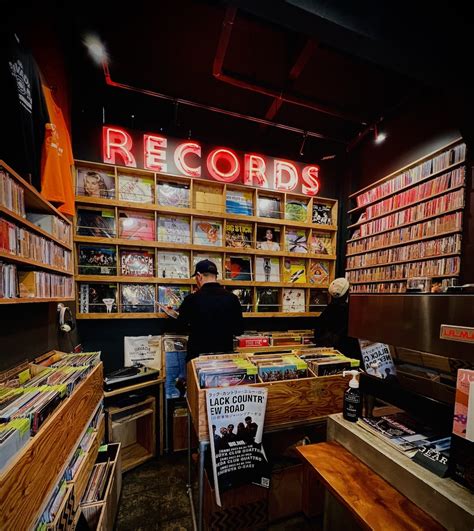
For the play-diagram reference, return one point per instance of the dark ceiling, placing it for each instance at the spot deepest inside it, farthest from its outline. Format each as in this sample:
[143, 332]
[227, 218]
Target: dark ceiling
[170, 48]
[361, 61]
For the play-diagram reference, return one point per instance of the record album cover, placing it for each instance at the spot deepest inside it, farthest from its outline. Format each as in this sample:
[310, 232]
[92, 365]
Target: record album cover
[322, 214]
[98, 223]
[294, 270]
[321, 243]
[238, 268]
[136, 226]
[239, 202]
[97, 298]
[137, 263]
[268, 238]
[318, 272]
[135, 188]
[296, 210]
[95, 183]
[174, 229]
[171, 297]
[245, 297]
[269, 207]
[173, 194]
[296, 240]
[207, 232]
[173, 264]
[293, 300]
[238, 235]
[267, 300]
[267, 269]
[138, 298]
[96, 260]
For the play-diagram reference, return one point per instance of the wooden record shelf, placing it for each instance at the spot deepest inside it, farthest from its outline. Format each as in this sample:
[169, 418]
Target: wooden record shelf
[207, 200]
[148, 315]
[405, 168]
[34, 203]
[28, 261]
[407, 206]
[387, 264]
[408, 242]
[18, 300]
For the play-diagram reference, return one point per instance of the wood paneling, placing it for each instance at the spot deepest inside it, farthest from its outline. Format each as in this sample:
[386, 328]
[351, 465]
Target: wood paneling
[371, 500]
[29, 479]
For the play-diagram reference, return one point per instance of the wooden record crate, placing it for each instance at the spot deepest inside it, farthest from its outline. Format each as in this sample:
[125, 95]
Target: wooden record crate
[290, 402]
[27, 481]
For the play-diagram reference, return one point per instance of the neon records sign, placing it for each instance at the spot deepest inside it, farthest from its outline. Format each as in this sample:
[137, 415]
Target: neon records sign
[193, 159]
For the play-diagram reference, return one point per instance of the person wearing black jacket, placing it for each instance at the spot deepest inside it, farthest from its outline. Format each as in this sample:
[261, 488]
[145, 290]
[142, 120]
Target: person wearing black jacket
[212, 315]
[331, 329]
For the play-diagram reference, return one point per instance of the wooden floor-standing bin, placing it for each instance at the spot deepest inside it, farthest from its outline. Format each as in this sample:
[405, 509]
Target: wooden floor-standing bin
[290, 404]
[29, 480]
[101, 515]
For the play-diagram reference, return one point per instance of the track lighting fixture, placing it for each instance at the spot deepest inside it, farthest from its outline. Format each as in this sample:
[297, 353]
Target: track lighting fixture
[305, 136]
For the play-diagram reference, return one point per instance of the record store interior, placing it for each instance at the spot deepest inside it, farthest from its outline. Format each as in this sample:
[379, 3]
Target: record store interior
[236, 266]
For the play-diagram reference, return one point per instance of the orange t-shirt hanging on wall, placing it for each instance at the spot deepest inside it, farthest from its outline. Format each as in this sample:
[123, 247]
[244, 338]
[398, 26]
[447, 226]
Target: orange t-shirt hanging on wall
[57, 159]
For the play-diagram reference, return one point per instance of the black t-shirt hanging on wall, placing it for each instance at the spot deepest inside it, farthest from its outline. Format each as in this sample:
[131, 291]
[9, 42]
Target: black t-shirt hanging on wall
[23, 111]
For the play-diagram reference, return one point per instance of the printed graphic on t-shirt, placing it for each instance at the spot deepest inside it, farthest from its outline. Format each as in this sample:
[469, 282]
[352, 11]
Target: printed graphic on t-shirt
[23, 84]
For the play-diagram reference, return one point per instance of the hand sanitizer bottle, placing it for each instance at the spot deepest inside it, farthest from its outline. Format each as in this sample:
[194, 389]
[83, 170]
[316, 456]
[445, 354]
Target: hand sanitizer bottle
[352, 401]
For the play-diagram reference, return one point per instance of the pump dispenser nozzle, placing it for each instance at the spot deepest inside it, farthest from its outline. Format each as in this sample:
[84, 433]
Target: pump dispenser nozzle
[354, 382]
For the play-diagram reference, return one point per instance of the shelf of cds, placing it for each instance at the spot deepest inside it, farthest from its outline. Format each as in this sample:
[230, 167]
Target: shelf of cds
[409, 224]
[139, 234]
[36, 248]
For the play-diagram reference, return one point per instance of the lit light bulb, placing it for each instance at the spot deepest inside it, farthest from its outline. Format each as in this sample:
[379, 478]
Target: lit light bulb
[96, 49]
[380, 138]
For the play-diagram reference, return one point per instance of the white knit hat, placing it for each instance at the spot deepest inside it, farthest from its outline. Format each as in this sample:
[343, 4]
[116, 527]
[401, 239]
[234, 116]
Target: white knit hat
[338, 287]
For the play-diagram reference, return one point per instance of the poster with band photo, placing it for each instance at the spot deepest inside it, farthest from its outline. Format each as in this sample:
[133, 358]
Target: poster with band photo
[236, 416]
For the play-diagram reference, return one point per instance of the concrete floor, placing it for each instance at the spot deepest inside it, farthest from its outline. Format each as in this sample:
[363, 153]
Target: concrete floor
[154, 498]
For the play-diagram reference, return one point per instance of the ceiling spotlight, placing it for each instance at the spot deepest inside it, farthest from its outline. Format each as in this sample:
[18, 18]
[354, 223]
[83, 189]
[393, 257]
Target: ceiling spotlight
[96, 49]
[380, 136]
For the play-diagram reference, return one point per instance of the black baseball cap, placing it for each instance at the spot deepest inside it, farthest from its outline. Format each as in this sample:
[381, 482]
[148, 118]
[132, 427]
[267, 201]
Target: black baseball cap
[205, 266]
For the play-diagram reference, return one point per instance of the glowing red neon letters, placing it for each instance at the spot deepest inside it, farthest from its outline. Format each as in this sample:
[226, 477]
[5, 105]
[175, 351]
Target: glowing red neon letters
[192, 159]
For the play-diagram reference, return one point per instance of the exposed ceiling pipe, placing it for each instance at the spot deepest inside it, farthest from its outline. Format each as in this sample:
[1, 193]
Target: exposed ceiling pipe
[295, 72]
[237, 80]
[109, 81]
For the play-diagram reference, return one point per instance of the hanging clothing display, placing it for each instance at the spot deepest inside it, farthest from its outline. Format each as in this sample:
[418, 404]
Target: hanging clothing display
[57, 159]
[22, 108]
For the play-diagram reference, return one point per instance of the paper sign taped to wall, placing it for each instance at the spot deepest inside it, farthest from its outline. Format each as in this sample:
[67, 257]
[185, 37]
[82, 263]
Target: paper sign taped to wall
[145, 350]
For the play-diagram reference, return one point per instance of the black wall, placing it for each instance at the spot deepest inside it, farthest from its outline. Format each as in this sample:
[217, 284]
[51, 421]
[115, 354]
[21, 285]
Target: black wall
[29, 330]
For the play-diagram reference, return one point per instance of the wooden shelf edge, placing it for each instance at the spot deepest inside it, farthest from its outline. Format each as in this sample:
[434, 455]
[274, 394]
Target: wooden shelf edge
[404, 279]
[183, 178]
[408, 242]
[143, 385]
[197, 213]
[423, 259]
[407, 224]
[28, 261]
[92, 316]
[35, 228]
[31, 190]
[407, 206]
[36, 299]
[413, 164]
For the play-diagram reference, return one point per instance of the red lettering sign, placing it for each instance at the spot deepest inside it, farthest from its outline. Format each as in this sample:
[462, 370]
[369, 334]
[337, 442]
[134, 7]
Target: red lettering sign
[192, 159]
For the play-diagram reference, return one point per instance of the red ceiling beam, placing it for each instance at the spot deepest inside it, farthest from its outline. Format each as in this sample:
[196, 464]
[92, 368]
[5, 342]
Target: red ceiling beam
[237, 81]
